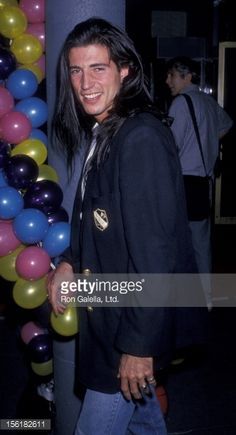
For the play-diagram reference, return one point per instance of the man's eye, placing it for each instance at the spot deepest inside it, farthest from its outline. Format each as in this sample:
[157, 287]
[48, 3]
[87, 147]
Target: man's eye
[74, 71]
[99, 69]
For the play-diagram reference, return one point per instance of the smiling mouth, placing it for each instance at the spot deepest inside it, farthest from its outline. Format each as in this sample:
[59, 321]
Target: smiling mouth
[93, 96]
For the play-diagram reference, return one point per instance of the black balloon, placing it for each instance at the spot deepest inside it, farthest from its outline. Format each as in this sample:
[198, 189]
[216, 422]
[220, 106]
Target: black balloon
[5, 153]
[46, 195]
[40, 348]
[21, 171]
[59, 215]
[7, 63]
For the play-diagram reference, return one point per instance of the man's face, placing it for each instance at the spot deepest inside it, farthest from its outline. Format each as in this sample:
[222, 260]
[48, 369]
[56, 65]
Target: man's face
[95, 79]
[176, 82]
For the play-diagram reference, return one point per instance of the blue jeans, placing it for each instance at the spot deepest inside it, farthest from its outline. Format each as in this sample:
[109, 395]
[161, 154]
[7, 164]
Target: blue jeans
[112, 414]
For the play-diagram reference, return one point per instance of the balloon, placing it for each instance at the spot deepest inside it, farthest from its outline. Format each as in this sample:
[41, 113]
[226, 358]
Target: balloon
[36, 133]
[13, 21]
[46, 172]
[11, 202]
[41, 62]
[34, 68]
[6, 101]
[65, 324]
[7, 63]
[26, 48]
[42, 369]
[35, 109]
[46, 195]
[57, 239]
[30, 225]
[5, 153]
[34, 10]
[8, 240]
[3, 181]
[59, 215]
[32, 263]
[21, 171]
[40, 348]
[4, 3]
[22, 83]
[14, 127]
[38, 30]
[8, 265]
[30, 294]
[33, 148]
[30, 330]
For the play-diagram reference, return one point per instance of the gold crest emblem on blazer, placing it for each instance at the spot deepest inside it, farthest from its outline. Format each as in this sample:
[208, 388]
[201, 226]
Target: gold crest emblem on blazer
[100, 219]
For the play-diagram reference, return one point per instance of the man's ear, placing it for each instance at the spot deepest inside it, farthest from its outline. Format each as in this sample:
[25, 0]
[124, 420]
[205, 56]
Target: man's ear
[124, 72]
[188, 78]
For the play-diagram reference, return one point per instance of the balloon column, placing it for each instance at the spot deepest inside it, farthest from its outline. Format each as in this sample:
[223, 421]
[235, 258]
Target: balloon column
[34, 227]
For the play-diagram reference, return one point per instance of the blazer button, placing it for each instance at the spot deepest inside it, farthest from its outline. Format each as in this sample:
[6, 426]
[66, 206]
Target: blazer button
[90, 309]
[86, 272]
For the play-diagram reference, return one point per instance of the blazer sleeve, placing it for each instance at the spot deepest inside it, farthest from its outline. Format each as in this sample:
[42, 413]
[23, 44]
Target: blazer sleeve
[149, 178]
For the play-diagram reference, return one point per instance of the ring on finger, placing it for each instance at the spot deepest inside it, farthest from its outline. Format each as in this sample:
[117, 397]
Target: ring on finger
[151, 380]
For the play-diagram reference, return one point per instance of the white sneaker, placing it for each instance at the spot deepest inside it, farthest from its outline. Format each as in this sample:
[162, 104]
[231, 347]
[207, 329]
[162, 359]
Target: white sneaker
[46, 390]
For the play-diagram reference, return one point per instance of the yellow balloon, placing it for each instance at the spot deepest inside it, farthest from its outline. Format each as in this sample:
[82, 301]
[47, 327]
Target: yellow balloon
[33, 148]
[30, 294]
[42, 369]
[13, 21]
[8, 263]
[4, 3]
[46, 172]
[26, 48]
[35, 69]
[66, 324]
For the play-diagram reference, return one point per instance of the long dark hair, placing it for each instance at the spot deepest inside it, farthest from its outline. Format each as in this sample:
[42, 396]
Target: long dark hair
[71, 123]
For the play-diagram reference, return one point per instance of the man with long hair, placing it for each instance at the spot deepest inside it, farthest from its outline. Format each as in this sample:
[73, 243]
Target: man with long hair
[129, 218]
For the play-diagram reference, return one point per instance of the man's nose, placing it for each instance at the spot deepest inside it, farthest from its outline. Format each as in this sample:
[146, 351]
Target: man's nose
[86, 81]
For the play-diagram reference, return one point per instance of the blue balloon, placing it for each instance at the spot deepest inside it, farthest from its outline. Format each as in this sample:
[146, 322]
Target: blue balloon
[57, 239]
[11, 202]
[36, 133]
[22, 83]
[35, 109]
[30, 226]
[3, 180]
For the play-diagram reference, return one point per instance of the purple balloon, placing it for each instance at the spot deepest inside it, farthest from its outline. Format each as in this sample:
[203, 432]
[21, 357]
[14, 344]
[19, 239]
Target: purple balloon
[46, 195]
[59, 215]
[21, 171]
[7, 63]
[40, 348]
[5, 152]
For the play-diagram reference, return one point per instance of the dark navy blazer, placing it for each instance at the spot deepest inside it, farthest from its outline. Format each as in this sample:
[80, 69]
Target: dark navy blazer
[140, 188]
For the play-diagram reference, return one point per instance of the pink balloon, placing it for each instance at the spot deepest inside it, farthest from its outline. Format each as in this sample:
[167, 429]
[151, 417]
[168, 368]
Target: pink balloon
[14, 127]
[8, 240]
[38, 30]
[41, 63]
[34, 10]
[32, 263]
[30, 330]
[6, 101]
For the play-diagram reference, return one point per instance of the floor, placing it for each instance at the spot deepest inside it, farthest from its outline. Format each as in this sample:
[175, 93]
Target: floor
[201, 392]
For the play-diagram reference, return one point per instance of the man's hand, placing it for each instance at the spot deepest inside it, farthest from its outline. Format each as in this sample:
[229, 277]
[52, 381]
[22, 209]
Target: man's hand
[135, 374]
[63, 272]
